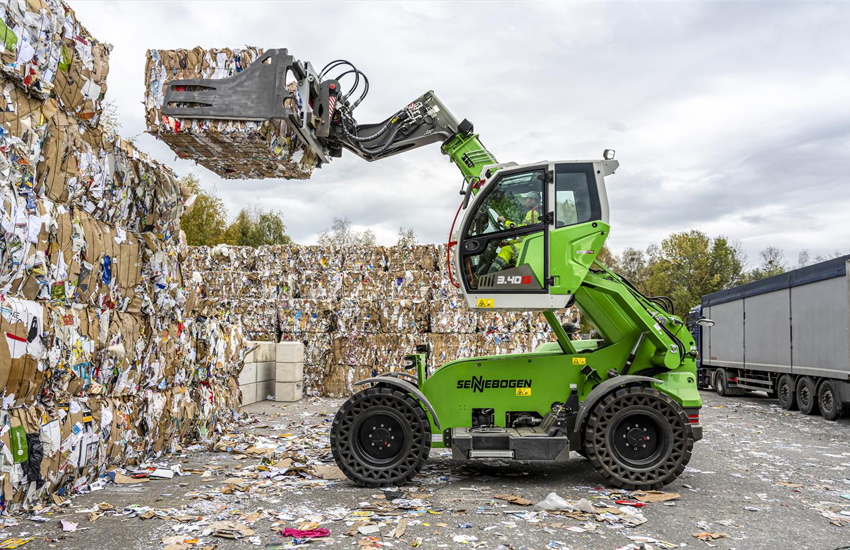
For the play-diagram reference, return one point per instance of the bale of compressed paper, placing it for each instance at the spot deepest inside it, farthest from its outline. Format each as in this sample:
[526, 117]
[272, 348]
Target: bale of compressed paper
[47, 52]
[233, 149]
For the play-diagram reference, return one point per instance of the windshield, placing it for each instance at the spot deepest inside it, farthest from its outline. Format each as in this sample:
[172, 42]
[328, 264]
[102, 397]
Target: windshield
[516, 202]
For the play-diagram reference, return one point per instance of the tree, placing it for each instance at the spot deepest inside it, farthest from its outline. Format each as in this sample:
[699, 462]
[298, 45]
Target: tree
[690, 264]
[256, 227]
[772, 263]
[342, 234]
[406, 236]
[608, 259]
[634, 266]
[206, 221]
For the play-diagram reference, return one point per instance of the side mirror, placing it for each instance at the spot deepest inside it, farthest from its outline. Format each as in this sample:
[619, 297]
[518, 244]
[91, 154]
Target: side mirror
[705, 322]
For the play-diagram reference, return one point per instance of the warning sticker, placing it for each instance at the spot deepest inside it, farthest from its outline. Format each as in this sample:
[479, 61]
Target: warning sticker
[485, 303]
[523, 392]
[579, 360]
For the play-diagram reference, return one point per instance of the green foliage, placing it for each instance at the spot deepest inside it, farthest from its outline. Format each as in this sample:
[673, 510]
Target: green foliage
[254, 227]
[343, 234]
[206, 223]
[634, 266]
[406, 236]
[772, 263]
[690, 264]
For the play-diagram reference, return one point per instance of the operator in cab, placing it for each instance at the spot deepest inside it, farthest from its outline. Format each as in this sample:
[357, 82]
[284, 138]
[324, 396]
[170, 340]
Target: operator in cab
[510, 248]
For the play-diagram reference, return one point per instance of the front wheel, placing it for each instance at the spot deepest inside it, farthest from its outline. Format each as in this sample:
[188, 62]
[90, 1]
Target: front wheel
[380, 437]
[638, 438]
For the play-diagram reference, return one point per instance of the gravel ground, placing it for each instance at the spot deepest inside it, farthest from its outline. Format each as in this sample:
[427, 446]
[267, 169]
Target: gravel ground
[730, 487]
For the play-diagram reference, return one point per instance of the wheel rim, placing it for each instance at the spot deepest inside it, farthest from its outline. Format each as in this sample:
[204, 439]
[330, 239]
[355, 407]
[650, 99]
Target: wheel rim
[639, 439]
[784, 392]
[827, 401]
[718, 383]
[805, 396]
[646, 466]
[380, 438]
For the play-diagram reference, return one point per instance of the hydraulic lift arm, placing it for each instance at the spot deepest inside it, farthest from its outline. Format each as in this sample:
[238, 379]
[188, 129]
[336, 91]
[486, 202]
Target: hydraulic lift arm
[314, 104]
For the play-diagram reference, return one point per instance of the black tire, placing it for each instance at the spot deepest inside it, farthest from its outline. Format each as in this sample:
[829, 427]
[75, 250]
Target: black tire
[390, 414]
[786, 392]
[612, 445]
[720, 383]
[829, 402]
[807, 397]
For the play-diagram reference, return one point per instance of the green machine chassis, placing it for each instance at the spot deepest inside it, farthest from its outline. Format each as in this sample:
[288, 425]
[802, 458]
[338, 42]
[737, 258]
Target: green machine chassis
[627, 400]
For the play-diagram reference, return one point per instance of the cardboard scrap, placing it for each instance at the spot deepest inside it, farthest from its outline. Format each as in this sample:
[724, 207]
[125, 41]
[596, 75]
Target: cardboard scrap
[329, 472]
[706, 536]
[514, 499]
[789, 484]
[400, 528]
[655, 496]
[121, 479]
[229, 529]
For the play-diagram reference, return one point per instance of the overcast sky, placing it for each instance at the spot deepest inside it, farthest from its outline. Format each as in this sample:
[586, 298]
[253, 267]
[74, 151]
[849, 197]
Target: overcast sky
[730, 118]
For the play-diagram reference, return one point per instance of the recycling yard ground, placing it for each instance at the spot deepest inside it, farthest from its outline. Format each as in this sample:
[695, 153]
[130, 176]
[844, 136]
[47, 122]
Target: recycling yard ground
[763, 476]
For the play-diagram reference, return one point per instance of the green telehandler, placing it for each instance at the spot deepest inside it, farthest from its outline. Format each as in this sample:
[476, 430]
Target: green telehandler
[525, 237]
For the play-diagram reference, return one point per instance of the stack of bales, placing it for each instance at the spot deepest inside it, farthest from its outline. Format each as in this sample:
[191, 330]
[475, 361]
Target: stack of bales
[356, 309]
[102, 361]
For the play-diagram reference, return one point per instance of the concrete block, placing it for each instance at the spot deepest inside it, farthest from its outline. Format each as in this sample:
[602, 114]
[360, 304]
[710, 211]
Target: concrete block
[289, 372]
[248, 375]
[289, 352]
[288, 392]
[249, 393]
[264, 353]
[265, 371]
[265, 390]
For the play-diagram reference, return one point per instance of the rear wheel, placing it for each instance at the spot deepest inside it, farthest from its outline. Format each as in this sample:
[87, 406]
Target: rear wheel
[380, 437]
[638, 438]
[720, 382]
[786, 392]
[831, 406]
[806, 395]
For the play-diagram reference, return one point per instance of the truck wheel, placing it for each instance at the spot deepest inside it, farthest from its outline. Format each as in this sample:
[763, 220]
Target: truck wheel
[831, 406]
[786, 392]
[380, 437]
[806, 395]
[720, 382]
[638, 438]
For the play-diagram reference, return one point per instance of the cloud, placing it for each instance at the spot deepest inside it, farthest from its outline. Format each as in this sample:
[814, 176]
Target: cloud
[731, 118]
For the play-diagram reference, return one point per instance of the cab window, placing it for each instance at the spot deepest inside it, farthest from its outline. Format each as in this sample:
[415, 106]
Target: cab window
[576, 198]
[516, 202]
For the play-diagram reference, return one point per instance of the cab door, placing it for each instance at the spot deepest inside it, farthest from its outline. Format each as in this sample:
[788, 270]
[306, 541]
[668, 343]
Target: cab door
[503, 248]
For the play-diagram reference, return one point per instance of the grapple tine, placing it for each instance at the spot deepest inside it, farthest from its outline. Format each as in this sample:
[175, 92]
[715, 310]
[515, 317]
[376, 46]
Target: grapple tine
[256, 93]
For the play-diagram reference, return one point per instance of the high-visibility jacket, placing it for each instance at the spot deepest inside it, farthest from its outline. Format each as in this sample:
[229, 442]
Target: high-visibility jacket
[510, 250]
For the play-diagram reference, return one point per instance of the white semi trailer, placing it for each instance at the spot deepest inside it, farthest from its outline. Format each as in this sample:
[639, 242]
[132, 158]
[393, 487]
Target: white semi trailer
[788, 335]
